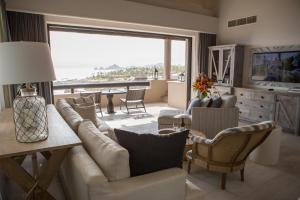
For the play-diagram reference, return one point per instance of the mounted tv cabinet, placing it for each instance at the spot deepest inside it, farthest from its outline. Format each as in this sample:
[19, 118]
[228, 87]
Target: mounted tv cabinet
[225, 65]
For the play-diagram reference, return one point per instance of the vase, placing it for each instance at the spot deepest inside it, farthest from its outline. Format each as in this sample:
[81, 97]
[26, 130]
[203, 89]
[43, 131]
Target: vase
[199, 95]
[30, 119]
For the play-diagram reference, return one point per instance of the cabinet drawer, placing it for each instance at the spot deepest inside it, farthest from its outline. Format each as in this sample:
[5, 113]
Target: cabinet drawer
[264, 97]
[259, 105]
[253, 95]
[254, 115]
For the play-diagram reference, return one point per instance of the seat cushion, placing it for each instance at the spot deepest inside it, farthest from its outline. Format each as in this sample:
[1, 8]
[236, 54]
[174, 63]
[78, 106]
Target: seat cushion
[150, 152]
[112, 158]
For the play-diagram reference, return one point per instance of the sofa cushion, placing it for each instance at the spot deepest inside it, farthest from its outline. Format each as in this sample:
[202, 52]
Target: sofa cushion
[228, 101]
[195, 102]
[62, 104]
[150, 152]
[87, 112]
[71, 117]
[112, 158]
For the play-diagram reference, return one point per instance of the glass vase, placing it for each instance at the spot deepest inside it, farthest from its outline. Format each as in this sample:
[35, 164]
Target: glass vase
[30, 118]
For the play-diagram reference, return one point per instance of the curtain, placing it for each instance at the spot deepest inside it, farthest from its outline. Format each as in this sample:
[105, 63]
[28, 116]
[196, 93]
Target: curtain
[29, 27]
[205, 40]
[4, 37]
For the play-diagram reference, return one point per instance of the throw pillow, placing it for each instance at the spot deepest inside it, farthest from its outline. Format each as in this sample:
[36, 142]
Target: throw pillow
[86, 100]
[112, 158]
[216, 102]
[205, 102]
[228, 101]
[149, 152]
[87, 112]
[195, 102]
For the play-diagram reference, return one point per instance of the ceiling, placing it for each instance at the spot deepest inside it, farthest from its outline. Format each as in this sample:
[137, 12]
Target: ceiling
[204, 7]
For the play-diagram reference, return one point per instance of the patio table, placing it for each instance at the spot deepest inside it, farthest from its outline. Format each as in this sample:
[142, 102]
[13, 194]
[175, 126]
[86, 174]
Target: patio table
[110, 95]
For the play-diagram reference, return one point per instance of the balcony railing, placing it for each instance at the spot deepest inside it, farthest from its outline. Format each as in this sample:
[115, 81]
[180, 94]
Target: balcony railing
[128, 84]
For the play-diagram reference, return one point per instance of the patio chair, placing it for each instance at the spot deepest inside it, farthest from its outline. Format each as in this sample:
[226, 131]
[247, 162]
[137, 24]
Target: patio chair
[97, 99]
[135, 97]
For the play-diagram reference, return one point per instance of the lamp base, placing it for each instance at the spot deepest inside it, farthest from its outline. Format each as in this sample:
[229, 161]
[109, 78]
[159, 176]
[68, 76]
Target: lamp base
[30, 117]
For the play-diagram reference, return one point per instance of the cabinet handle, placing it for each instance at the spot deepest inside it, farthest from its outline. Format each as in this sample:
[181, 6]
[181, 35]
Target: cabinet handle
[242, 94]
[262, 97]
[261, 106]
[260, 116]
[241, 102]
[240, 112]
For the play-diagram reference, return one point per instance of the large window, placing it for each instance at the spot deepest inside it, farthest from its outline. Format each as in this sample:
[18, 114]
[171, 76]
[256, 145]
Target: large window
[85, 57]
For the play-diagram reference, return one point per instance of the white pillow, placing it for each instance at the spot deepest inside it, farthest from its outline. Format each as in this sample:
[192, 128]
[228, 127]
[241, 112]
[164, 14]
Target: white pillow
[112, 158]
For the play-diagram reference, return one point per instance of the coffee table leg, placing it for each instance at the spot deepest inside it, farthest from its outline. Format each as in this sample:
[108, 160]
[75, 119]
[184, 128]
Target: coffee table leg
[110, 104]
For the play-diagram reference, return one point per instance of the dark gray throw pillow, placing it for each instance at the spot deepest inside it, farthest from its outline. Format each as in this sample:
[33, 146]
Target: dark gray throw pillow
[216, 102]
[195, 102]
[150, 153]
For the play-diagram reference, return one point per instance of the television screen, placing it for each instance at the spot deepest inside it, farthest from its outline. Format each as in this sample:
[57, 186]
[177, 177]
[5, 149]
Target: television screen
[276, 66]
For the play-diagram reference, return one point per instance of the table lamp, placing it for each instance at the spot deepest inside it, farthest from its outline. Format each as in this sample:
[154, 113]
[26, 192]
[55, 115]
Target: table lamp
[27, 62]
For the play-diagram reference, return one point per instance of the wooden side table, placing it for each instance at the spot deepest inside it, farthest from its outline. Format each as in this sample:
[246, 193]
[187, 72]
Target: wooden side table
[60, 140]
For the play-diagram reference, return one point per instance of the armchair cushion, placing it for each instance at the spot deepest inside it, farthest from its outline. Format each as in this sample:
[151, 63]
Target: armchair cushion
[150, 153]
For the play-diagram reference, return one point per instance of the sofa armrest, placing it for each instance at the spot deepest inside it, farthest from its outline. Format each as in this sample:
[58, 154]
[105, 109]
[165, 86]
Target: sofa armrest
[81, 176]
[166, 184]
[213, 120]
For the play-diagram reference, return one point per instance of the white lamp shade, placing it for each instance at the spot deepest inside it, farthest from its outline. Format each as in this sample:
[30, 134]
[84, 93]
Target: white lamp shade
[25, 62]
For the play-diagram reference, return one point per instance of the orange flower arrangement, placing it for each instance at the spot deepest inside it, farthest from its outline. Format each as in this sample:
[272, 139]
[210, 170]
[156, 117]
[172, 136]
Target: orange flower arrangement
[203, 84]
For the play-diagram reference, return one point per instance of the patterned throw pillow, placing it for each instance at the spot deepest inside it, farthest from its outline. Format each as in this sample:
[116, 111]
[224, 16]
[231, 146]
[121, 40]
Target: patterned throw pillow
[88, 100]
[216, 102]
[87, 112]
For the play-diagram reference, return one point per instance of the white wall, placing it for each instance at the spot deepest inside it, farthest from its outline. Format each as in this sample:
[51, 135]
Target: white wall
[119, 10]
[277, 25]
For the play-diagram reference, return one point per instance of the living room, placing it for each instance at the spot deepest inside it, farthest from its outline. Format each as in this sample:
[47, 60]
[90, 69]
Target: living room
[237, 124]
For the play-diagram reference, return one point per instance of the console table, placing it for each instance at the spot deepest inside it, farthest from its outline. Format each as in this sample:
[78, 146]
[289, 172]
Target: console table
[256, 105]
[60, 140]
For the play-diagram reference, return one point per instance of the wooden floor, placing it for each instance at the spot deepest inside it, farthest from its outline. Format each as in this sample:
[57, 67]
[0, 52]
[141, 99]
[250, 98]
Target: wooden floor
[280, 182]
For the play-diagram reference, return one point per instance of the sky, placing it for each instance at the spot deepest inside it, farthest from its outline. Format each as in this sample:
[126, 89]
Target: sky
[75, 55]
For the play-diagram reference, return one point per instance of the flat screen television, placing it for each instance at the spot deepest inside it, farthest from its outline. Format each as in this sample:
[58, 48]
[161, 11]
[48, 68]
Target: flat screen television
[276, 66]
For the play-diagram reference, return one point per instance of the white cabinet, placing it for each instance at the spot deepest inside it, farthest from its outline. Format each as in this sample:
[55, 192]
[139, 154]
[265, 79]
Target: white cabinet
[225, 64]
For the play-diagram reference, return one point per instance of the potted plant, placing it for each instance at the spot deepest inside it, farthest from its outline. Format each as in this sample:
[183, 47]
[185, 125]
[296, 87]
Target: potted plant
[202, 85]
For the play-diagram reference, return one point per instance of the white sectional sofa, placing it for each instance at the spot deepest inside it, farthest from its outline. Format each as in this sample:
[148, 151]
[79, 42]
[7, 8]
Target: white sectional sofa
[86, 173]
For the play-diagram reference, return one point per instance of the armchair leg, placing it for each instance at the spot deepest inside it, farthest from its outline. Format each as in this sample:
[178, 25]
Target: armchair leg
[242, 174]
[189, 166]
[223, 181]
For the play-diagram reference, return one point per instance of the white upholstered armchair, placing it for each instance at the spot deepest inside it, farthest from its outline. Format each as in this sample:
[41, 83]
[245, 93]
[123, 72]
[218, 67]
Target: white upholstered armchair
[213, 120]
